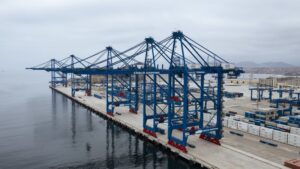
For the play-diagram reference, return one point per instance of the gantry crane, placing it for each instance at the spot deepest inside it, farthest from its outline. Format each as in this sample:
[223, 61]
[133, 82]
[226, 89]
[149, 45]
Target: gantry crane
[157, 75]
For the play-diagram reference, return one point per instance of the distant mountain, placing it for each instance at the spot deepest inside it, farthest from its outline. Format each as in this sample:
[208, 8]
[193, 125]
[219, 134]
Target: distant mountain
[265, 64]
[277, 64]
[247, 64]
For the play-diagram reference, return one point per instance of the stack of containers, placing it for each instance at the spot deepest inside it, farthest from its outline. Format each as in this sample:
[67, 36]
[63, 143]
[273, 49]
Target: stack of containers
[282, 120]
[260, 115]
[266, 114]
[284, 127]
[282, 112]
[294, 121]
[250, 115]
[259, 122]
[271, 125]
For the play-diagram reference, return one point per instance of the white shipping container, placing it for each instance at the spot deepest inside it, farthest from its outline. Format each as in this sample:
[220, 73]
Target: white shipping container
[225, 122]
[237, 117]
[294, 140]
[280, 136]
[295, 130]
[232, 124]
[283, 126]
[266, 132]
[245, 120]
[243, 126]
[206, 117]
[213, 121]
[253, 129]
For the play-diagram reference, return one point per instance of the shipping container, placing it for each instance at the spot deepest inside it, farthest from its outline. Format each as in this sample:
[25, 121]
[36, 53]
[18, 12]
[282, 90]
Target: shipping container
[266, 132]
[225, 122]
[280, 136]
[253, 129]
[295, 130]
[294, 140]
[242, 126]
[293, 164]
[286, 127]
[232, 123]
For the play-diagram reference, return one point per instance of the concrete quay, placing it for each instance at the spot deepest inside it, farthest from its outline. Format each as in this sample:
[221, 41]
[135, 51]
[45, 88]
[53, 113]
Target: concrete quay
[205, 153]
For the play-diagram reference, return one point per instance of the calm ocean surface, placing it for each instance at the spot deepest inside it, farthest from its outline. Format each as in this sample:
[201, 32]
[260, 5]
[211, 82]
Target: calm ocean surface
[40, 128]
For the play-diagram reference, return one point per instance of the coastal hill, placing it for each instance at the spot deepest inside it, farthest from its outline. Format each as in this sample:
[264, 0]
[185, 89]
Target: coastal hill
[281, 68]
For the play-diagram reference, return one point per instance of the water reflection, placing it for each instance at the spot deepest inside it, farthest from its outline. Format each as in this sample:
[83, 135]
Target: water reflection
[41, 128]
[73, 123]
[65, 104]
[53, 107]
[103, 144]
[110, 145]
[89, 121]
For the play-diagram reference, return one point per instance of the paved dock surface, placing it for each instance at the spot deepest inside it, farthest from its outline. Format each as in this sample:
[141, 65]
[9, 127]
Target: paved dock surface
[232, 154]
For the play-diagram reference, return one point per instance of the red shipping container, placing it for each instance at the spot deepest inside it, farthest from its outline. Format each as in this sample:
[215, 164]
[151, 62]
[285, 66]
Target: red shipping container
[293, 164]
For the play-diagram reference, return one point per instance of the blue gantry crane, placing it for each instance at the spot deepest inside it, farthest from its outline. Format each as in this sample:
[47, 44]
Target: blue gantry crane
[57, 77]
[176, 81]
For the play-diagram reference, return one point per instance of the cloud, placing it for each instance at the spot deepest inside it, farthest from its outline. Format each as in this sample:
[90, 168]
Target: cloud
[33, 31]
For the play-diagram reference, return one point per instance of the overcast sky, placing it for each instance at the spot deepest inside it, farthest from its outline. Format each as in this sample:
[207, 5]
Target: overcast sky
[33, 31]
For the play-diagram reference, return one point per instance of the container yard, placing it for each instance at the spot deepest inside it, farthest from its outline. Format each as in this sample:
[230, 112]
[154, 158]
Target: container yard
[179, 94]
